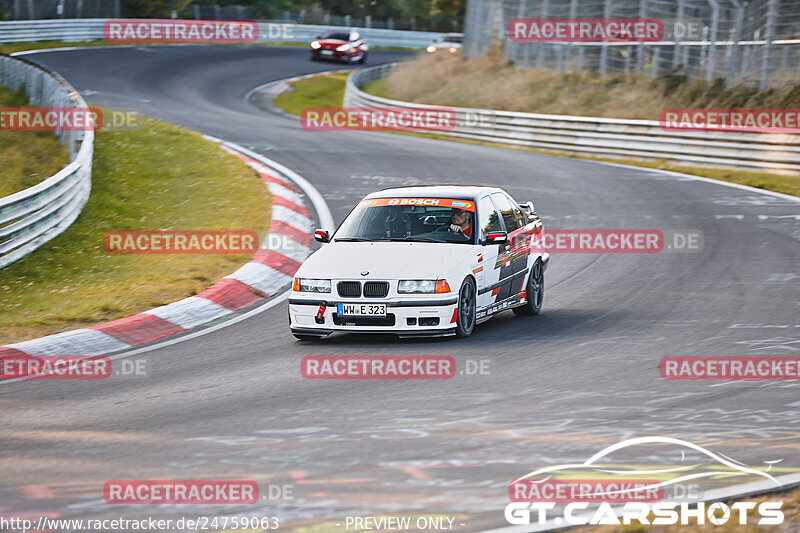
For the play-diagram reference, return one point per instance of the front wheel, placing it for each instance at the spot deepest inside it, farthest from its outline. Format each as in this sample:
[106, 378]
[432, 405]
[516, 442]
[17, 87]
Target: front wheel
[534, 291]
[363, 59]
[467, 306]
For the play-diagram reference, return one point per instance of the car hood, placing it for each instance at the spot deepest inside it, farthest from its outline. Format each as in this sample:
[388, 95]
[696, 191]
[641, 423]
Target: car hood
[331, 43]
[383, 260]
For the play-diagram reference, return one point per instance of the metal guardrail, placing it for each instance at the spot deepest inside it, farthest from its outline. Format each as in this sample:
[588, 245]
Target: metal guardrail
[76, 30]
[32, 217]
[773, 152]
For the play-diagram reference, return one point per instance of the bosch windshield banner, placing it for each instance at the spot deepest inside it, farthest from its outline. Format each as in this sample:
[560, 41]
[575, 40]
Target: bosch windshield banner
[585, 30]
[180, 31]
[466, 205]
[378, 118]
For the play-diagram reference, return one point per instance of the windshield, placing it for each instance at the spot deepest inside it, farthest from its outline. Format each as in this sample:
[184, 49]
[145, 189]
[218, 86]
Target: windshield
[410, 219]
[337, 35]
[449, 38]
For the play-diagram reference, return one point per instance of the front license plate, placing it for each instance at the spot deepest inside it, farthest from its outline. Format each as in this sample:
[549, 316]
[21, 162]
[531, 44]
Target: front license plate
[361, 309]
[327, 52]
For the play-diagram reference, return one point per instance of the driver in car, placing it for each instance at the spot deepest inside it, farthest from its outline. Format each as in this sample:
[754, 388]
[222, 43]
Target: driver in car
[460, 223]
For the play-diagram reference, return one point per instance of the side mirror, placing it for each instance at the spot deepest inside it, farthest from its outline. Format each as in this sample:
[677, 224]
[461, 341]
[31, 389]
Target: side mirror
[496, 237]
[529, 207]
[322, 235]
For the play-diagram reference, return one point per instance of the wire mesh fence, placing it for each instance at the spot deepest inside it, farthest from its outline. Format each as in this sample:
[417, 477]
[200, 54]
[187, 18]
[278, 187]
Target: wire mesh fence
[740, 41]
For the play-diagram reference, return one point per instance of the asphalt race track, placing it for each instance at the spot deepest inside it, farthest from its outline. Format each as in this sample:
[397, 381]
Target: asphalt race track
[557, 387]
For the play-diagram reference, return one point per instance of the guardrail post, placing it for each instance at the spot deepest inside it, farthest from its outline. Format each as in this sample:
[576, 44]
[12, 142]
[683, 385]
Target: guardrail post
[766, 58]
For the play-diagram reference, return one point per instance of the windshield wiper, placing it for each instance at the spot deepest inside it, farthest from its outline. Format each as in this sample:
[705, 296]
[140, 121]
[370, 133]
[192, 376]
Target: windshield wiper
[412, 239]
[352, 239]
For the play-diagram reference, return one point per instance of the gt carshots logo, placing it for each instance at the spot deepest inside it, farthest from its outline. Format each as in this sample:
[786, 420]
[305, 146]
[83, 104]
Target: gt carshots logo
[534, 497]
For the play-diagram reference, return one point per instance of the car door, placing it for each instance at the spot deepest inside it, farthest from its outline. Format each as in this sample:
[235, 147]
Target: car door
[487, 274]
[512, 260]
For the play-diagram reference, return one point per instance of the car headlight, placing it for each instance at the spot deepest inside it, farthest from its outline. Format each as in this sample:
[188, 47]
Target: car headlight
[343, 48]
[431, 49]
[422, 286]
[453, 50]
[311, 285]
[315, 45]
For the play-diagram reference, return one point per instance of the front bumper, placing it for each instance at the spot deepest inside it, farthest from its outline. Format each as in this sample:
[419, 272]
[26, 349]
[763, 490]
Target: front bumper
[335, 56]
[433, 315]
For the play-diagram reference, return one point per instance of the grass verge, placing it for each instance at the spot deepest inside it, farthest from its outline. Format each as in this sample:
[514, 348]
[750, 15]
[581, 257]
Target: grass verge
[28, 157]
[328, 91]
[10, 48]
[155, 177]
[319, 91]
[491, 82]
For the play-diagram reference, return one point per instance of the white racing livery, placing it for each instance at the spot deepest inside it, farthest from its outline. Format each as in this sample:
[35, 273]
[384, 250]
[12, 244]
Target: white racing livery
[422, 261]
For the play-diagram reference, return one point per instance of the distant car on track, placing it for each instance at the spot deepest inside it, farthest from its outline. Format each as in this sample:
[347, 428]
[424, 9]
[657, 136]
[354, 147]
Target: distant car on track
[449, 42]
[343, 46]
[422, 261]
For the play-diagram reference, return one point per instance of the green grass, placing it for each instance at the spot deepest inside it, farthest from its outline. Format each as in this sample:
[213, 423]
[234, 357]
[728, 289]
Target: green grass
[10, 48]
[319, 91]
[156, 177]
[28, 157]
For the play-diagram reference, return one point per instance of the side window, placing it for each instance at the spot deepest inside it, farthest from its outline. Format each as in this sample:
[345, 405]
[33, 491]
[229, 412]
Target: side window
[521, 217]
[506, 209]
[488, 219]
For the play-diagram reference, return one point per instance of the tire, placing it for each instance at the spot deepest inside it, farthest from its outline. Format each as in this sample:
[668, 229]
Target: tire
[363, 59]
[534, 291]
[467, 307]
[313, 58]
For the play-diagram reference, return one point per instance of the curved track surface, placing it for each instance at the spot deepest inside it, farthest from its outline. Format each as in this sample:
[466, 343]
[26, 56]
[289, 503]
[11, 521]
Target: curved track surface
[561, 386]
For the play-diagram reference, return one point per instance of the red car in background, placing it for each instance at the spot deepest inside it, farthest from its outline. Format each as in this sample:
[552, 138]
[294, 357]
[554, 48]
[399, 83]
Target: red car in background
[344, 46]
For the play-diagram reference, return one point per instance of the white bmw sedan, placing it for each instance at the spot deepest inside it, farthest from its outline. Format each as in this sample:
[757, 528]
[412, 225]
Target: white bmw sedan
[422, 261]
